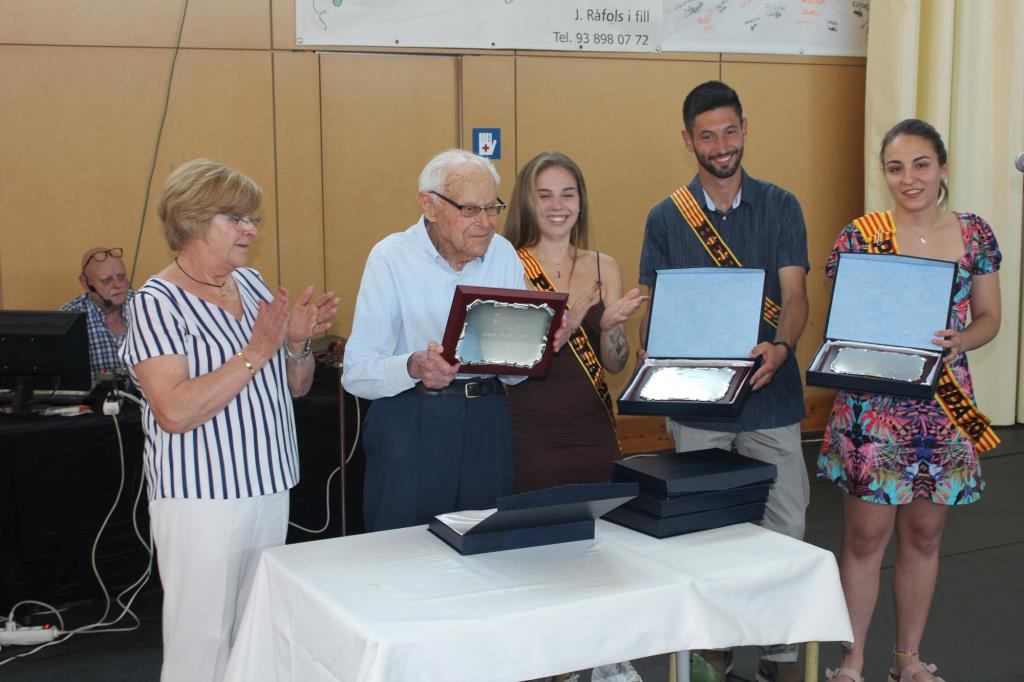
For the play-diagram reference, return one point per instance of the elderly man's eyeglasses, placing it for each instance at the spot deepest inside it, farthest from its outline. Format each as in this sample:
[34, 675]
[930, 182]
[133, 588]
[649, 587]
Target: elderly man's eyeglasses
[470, 211]
[101, 256]
[250, 220]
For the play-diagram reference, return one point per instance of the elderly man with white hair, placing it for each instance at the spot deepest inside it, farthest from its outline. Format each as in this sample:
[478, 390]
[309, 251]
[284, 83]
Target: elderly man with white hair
[436, 440]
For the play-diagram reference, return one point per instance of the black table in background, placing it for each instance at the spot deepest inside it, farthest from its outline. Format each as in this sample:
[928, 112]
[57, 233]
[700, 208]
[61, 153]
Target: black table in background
[59, 477]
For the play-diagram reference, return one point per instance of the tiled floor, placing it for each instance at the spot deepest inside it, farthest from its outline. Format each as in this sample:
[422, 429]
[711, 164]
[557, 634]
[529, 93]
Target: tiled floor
[976, 623]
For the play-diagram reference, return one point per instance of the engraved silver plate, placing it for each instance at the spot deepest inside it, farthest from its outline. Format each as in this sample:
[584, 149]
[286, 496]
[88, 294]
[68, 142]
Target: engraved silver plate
[698, 384]
[508, 334]
[878, 363]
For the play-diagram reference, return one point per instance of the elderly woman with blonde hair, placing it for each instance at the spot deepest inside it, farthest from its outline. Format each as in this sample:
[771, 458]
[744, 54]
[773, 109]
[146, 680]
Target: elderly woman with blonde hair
[217, 355]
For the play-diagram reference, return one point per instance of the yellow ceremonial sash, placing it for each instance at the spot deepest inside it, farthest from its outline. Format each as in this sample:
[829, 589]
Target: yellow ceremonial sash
[579, 342]
[879, 232]
[713, 243]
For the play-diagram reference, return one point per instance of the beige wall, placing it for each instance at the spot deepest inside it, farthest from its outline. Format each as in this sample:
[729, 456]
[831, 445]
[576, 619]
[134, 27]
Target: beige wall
[336, 139]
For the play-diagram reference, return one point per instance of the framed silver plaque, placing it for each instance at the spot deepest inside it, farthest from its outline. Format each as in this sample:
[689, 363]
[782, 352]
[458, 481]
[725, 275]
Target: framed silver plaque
[701, 384]
[880, 364]
[504, 334]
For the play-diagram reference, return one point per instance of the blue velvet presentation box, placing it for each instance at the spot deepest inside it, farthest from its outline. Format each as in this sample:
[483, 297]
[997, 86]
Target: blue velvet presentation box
[687, 473]
[702, 326]
[674, 505]
[690, 491]
[564, 513]
[884, 313]
[666, 527]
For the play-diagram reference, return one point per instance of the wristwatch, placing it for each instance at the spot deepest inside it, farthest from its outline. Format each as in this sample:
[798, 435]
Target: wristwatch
[790, 349]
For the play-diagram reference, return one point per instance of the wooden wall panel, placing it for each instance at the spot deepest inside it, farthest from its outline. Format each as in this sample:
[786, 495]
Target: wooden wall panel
[283, 24]
[620, 120]
[80, 129]
[75, 149]
[488, 89]
[299, 178]
[796, 114]
[383, 118]
[221, 108]
[210, 23]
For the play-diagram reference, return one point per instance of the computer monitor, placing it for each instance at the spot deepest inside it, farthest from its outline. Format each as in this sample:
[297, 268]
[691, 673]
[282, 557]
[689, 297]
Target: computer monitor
[43, 353]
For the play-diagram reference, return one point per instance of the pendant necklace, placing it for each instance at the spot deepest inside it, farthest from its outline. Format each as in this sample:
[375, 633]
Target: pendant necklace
[220, 287]
[920, 236]
[572, 268]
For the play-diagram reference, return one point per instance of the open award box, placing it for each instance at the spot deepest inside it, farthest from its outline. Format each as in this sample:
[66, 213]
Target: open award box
[502, 331]
[884, 313]
[702, 325]
[691, 491]
[564, 513]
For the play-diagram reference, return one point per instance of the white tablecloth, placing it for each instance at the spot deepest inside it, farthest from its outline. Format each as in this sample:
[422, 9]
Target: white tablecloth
[401, 605]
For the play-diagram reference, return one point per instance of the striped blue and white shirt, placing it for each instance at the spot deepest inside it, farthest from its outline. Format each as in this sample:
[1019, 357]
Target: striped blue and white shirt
[249, 448]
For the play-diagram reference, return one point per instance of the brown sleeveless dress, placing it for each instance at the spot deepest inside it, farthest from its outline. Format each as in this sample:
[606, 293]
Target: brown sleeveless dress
[562, 430]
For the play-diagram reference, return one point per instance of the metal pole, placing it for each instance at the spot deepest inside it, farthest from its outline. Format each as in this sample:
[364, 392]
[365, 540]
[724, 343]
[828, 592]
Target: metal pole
[342, 448]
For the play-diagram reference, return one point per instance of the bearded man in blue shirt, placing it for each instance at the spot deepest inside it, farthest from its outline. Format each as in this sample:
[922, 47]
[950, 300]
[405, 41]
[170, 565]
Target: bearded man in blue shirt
[726, 217]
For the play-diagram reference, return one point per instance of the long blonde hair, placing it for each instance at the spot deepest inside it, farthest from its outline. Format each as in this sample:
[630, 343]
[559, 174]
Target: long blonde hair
[521, 226]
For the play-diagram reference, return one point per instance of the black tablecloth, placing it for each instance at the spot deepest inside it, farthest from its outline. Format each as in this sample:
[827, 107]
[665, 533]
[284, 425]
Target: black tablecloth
[59, 477]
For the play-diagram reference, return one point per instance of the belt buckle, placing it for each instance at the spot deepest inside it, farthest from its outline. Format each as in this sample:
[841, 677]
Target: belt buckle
[470, 392]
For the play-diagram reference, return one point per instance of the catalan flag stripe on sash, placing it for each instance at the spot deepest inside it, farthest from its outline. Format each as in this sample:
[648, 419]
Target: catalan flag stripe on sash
[716, 247]
[579, 342]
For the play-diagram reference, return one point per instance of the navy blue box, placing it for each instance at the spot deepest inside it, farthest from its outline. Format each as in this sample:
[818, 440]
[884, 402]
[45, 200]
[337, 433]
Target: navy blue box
[543, 517]
[661, 505]
[886, 302]
[700, 318]
[684, 523]
[699, 471]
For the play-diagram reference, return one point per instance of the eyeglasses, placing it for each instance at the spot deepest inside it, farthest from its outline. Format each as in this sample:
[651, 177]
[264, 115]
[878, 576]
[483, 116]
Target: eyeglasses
[101, 256]
[250, 220]
[470, 211]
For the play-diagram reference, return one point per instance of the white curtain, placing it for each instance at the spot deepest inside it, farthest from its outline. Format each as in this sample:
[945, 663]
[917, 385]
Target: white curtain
[959, 64]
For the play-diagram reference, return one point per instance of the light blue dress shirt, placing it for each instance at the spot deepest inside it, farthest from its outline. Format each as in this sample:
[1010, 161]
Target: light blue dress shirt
[403, 304]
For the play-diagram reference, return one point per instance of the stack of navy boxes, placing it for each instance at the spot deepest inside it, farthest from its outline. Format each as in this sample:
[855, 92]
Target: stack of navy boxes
[690, 491]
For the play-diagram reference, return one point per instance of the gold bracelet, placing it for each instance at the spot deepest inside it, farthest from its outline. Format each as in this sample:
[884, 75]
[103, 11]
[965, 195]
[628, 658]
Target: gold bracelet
[245, 361]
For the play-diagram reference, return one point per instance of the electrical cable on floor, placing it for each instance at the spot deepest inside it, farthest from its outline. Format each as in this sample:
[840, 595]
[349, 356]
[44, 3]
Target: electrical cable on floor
[95, 628]
[348, 458]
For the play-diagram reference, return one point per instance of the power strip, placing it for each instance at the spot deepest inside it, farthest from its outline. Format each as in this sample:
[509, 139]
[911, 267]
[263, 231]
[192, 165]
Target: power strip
[27, 636]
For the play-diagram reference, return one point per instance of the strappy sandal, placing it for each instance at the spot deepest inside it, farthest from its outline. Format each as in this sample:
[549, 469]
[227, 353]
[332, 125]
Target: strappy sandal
[838, 673]
[914, 668]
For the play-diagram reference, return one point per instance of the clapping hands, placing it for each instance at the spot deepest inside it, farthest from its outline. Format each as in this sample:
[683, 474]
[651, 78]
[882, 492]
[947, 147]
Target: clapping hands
[618, 312]
[310, 317]
[275, 325]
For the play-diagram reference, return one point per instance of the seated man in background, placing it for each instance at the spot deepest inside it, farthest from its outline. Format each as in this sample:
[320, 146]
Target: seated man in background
[106, 291]
[436, 440]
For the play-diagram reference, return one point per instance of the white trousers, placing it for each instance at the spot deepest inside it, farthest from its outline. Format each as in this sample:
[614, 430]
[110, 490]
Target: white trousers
[207, 552]
[788, 498]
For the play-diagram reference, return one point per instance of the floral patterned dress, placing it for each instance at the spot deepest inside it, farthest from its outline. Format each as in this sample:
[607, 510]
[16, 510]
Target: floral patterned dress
[892, 450]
